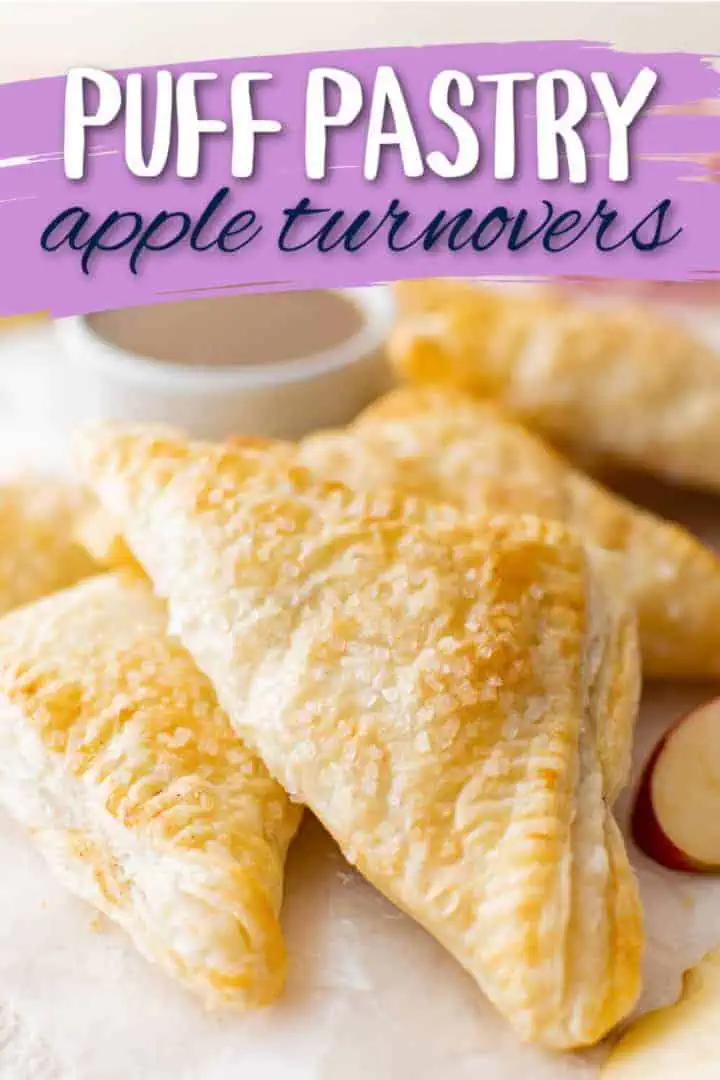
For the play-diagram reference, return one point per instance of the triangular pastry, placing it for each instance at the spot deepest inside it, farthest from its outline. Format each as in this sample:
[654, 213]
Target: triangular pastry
[116, 756]
[437, 696]
[38, 550]
[602, 375]
[275, 462]
[445, 446]
[96, 531]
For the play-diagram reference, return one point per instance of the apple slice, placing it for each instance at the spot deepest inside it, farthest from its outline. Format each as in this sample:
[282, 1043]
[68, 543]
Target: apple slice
[676, 820]
[682, 1040]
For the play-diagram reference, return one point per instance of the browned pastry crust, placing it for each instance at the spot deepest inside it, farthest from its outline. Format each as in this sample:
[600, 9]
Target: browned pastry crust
[115, 754]
[437, 695]
[608, 377]
[38, 549]
[443, 445]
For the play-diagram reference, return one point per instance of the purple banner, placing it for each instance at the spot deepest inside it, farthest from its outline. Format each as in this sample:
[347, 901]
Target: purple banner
[114, 239]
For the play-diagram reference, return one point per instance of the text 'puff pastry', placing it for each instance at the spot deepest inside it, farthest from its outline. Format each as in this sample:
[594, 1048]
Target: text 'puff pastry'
[435, 696]
[38, 551]
[116, 756]
[608, 377]
[448, 447]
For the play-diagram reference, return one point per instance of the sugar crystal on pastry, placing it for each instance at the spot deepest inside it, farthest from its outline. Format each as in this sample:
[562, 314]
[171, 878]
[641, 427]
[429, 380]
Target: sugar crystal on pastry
[608, 377]
[116, 756]
[38, 549]
[454, 700]
[441, 445]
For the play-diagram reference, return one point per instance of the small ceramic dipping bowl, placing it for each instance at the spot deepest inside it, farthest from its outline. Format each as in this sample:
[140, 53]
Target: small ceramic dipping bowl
[103, 378]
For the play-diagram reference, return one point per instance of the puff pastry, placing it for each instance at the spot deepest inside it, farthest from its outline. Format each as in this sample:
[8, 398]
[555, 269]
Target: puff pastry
[101, 537]
[439, 696]
[607, 377]
[38, 551]
[116, 756]
[443, 445]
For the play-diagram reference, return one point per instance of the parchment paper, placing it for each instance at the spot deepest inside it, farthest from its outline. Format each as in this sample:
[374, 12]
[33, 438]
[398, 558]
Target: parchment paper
[370, 995]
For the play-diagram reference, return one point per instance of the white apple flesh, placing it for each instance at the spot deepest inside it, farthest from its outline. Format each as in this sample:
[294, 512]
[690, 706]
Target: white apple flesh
[676, 820]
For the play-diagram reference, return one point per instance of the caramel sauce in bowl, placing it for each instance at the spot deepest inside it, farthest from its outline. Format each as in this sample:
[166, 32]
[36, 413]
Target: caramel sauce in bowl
[270, 364]
[253, 330]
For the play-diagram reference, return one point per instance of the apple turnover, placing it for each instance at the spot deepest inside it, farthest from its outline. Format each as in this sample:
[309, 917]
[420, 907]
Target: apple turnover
[116, 756]
[38, 551]
[449, 448]
[452, 701]
[605, 376]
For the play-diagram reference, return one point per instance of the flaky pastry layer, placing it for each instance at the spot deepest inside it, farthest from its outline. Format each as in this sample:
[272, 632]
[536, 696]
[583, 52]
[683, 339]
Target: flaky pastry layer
[444, 446]
[607, 377]
[38, 549]
[435, 694]
[115, 754]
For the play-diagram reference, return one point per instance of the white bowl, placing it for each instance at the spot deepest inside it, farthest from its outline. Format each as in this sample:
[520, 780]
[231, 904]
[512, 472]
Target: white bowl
[285, 399]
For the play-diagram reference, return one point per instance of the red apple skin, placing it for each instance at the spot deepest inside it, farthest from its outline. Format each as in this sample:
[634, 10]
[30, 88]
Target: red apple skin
[646, 829]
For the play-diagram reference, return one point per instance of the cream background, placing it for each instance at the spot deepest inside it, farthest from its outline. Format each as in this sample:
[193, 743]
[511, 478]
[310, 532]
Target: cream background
[42, 38]
[371, 997]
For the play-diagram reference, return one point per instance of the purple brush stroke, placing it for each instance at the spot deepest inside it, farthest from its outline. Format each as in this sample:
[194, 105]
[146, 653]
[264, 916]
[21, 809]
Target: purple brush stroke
[31, 194]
